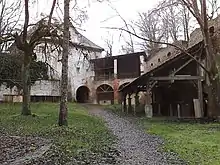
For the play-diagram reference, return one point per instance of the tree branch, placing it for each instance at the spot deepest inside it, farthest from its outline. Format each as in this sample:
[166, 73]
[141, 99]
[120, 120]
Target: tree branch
[51, 12]
[160, 42]
[26, 22]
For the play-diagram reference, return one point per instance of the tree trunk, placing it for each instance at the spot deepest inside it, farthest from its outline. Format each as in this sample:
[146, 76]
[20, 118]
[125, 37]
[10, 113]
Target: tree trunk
[212, 79]
[64, 78]
[213, 96]
[26, 85]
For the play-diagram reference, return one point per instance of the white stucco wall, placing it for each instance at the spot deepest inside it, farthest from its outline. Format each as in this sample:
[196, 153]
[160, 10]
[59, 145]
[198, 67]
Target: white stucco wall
[80, 73]
[40, 88]
[7, 91]
[46, 88]
[52, 58]
[80, 69]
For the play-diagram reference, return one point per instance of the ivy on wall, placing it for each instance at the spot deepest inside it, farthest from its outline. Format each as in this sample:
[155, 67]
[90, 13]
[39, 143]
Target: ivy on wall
[11, 70]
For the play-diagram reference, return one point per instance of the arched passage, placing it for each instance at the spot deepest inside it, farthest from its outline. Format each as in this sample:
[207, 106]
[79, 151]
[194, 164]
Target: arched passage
[119, 88]
[82, 94]
[105, 94]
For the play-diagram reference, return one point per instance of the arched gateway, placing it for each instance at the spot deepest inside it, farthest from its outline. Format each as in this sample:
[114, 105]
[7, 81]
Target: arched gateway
[105, 94]
[82, 94]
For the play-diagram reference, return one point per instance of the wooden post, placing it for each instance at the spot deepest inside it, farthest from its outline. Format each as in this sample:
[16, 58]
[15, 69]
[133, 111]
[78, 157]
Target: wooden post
[178, 111]
[171, 110]
[197, 108]
[200, 96]
[124, 109]
[115, 68]
[159, 109]
[200, 92]
[136, 97]
[129, 109]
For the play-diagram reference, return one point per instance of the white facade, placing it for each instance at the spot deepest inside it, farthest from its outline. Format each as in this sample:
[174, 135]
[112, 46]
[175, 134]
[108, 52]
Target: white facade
[81, 51]
[46, 88]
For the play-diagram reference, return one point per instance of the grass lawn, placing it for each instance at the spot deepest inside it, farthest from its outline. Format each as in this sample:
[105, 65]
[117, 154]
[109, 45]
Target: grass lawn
[85, 138]
[195, 143]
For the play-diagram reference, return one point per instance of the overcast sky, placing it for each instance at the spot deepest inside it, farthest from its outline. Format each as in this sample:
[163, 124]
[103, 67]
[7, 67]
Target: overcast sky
[97, 13]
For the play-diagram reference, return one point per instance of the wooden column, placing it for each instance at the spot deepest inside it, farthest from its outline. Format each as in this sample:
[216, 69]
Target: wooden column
[115, 68]
[129, 109]
[159, 109]
[200, 96]
[124, 103]
[200, 92]
[171, 110]
[178, 111]
[137, 103]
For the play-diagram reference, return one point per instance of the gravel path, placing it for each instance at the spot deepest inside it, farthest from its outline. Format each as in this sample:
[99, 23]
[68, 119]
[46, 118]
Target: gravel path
[135, 146]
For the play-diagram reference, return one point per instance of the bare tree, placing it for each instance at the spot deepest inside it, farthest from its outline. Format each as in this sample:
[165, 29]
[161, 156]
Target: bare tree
[168, 22]
[10, 13]
[129, 43]
[213, 6]
[109, 41]
[171, 18]
[199, 10]
[149, 25]
[27, 44]
[185, 18]
[64, 79]
[126, 47]
[26, 41]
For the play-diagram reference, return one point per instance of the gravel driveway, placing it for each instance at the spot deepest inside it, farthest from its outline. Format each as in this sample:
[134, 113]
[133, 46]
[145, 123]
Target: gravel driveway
[134, 145]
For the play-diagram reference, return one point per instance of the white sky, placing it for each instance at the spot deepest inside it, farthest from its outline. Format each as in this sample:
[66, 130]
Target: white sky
[98, 12]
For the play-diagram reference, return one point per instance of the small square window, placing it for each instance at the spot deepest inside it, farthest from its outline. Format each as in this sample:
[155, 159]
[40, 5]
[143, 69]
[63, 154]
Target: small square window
[77, 69]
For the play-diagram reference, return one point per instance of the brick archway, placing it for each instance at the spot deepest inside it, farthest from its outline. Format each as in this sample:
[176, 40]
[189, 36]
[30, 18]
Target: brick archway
[105, 94]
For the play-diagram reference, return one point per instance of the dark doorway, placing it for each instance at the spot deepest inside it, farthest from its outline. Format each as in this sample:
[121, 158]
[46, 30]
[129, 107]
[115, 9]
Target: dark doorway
[82, 94]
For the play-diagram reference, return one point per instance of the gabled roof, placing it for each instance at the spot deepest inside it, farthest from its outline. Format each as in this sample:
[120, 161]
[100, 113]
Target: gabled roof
[143, 53]
[142, 80]
[78, 39]
[196, 38]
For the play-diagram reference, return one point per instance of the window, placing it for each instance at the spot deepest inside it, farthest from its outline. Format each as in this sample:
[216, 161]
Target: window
[77, 69]
[158, 59]
[168, 54]
[151, 64]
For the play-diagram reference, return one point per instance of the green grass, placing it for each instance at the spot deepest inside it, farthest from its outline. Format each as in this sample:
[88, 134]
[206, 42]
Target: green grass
[85, 134]
[195, 143]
